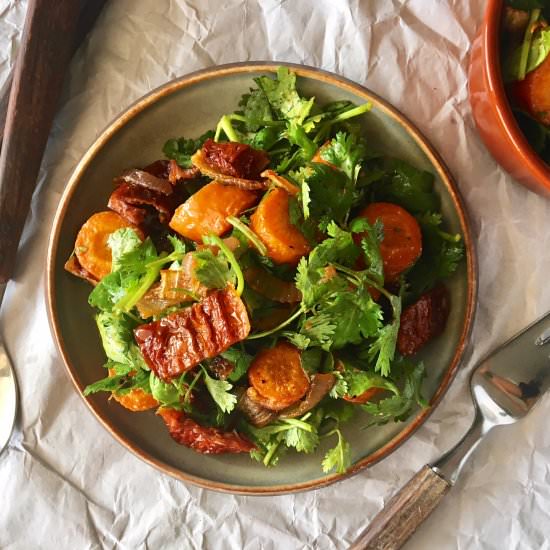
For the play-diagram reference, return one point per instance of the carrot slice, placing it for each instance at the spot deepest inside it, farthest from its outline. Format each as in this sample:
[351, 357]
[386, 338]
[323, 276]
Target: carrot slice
[91, 247]
[271, 222]
[277, 376]
[532, 92]
[206, 210]
[401, 245]
[135, 400]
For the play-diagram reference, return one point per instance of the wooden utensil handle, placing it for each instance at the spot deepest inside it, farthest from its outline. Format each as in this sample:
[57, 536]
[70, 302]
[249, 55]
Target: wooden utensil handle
[404, 512]
[45, 51]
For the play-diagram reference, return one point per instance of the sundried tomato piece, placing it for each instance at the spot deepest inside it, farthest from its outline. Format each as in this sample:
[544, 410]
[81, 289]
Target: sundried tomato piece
[202, 439]
[220, 367]
[180, 341]
[131, 202]
[423, 320]
[235, 159]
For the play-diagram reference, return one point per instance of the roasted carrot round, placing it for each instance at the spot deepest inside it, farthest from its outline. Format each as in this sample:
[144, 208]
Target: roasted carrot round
[277, 376]
[271, 222]
[532, 92]
[91, 246]
[401, 245]
[206, 210]
[135, 400]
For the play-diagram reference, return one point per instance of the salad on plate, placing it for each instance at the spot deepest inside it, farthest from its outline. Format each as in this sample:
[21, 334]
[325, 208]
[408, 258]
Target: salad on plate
[526, 69]
[269, 280]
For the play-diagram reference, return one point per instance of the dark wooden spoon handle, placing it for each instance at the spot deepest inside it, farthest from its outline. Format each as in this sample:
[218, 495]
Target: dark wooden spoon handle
[406, 510]
[45, 51]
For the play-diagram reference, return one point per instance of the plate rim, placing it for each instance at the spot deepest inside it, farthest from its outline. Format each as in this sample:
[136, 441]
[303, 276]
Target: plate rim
[216, 72]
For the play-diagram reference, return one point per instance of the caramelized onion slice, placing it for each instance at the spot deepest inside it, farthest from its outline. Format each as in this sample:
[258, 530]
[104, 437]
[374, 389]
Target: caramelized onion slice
[147, 180]
[321, 384]
[199, 160]
[271, 287]
[280, 181]
[255, 412]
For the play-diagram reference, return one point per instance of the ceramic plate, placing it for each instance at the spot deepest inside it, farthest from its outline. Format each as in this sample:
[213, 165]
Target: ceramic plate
[189, 106]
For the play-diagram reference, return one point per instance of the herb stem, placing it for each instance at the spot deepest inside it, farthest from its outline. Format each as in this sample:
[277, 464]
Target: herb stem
[294, 316]
[356, 111]
[248, 233]
[191, 386]
[526, 45]
[225, 125]
[216, 241]
[270, 453]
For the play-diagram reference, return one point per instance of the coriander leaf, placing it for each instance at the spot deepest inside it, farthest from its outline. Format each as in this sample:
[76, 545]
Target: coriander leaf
[398, 407]
[214, 240]
[311, 360]
[136, 270]
[339, 410]
[338, 458]
[257, 109]
[339, 247]
[370, 243]
[283, 97]
[407, 186]
[212, 270]
[296, 134]
[383, 347]
[346, 152]
[120, 383]
[441, 255]
[297, 339]
[219, 391]
[240, 359]
[340, 388]
[121, 242]
[265, 139]
[303, 441]
[319, 330]
[117, 338]
[328, 191]
[164, 392]
[359, 382]
[355, 316]
[178, 245]
[181, 150]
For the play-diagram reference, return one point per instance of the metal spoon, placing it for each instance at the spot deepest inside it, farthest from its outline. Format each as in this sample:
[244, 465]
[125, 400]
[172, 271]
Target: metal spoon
[505, 386]
[8, 392]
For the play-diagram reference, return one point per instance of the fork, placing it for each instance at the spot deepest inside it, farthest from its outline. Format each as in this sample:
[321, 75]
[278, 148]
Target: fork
[505, 386]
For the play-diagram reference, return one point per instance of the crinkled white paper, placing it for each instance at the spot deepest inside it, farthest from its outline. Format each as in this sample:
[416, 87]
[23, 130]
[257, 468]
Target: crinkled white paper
[65, 483]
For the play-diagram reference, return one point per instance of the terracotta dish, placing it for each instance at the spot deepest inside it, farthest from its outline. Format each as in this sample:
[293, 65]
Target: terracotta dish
[492, 112]
[189, 106]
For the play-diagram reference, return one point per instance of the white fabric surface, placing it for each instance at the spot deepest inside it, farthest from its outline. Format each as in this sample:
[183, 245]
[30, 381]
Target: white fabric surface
[65, 483]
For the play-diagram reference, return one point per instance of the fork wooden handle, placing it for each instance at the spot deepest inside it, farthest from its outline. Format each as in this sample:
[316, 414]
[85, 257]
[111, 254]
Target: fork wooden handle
[44, 54]
[399, 519]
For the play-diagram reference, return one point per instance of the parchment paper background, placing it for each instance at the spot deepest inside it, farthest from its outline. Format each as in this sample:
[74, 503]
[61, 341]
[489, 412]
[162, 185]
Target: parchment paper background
[65, 483]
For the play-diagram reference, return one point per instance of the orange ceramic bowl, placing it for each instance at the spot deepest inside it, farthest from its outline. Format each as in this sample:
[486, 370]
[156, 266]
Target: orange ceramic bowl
[492, 112]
